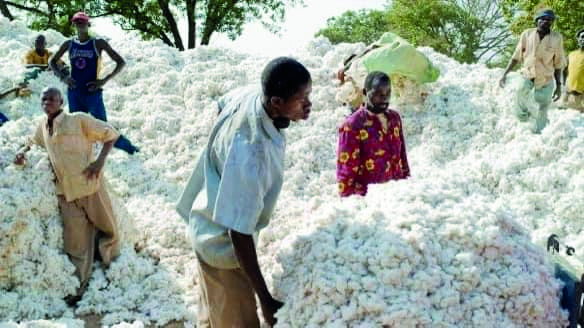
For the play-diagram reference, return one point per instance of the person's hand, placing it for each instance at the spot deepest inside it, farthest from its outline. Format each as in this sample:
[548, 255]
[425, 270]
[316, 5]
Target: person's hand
[95, 85]
[70, 82]
[341, 74]
[20, 159]
[93, 170]
[269, 309]
[503, 81]
[557, 93]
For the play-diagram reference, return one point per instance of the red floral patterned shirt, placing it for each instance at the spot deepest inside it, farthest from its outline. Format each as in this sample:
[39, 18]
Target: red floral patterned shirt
[371, 150]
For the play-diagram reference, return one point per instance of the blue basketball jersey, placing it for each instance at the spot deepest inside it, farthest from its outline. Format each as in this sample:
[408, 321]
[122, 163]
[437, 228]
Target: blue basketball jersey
[84, 60]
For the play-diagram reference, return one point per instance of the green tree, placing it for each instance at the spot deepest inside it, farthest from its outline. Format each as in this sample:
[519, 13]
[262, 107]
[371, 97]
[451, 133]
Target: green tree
[467, 30]
[158, 19]
[356, 26]
[5, 11]
[49, 14]
[570, 15]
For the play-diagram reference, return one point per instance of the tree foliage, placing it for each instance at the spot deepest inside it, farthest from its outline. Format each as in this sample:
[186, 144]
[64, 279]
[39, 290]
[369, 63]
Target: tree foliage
[467, 30]
[570, 16]
[49, 14]
[158, 19]
[356, 26]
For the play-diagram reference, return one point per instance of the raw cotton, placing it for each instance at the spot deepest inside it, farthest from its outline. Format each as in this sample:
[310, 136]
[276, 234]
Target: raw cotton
[461, 241]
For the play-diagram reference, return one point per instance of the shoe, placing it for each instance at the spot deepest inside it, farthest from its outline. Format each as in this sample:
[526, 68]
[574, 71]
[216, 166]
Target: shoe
[133, 149]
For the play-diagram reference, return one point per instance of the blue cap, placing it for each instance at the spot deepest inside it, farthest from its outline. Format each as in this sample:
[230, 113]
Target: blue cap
[545, 13]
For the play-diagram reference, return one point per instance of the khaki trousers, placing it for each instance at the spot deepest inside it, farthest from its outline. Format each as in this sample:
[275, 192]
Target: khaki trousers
[227, 298]
[85, 221]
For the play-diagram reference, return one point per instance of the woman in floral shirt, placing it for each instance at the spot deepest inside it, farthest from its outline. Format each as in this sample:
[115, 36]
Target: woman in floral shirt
[371, 142]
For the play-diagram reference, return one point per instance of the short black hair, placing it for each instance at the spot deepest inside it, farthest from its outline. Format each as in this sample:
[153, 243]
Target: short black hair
[283, 77]
[375, 78]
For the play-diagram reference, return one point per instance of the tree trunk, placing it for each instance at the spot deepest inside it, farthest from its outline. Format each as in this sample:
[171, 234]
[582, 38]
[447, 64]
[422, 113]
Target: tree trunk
[206, 37]
[191, 4]
[216, 11]
[4, 10]
[172, 22]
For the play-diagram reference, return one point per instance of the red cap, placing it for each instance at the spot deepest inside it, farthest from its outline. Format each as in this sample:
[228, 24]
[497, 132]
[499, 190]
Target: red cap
[80, 17]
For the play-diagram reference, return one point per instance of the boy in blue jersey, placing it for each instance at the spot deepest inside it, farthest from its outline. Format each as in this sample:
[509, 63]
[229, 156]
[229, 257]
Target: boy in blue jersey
[85, 92]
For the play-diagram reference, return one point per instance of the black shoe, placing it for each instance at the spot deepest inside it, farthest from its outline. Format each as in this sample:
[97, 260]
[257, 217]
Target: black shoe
[72, 300]
[133, 149]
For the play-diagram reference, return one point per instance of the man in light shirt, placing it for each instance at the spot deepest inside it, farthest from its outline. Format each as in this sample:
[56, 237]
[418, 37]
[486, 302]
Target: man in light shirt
[233, 191]
[541, 53]
[83, 200]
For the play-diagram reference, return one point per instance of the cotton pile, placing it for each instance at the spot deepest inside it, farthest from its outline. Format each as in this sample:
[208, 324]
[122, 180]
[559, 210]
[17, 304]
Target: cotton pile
[460, 243]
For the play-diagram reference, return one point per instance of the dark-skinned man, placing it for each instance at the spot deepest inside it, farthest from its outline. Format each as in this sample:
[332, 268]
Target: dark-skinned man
[541, 53]
[85, 92]
[233, 191]
[83, 200]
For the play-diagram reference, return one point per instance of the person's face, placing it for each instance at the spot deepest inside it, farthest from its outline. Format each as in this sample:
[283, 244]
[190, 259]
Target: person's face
[544, 24]
[378, 97]
[51, 102]
[580, 40]
[39, 43]
[81, 27]
[297, 107]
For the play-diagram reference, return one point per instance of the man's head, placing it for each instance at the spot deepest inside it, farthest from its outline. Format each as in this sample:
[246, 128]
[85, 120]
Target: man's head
[544, 20]
[51, 100]
[286, 85]
[81, 22]
[378, 90]
[580, 38]
[40, 43]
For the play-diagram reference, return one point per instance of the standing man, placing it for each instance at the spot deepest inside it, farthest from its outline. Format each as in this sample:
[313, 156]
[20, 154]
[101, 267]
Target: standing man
[85, 92]
[371, 147]
[541, 52]
[574, 74]
[233, 191]
[83, 200]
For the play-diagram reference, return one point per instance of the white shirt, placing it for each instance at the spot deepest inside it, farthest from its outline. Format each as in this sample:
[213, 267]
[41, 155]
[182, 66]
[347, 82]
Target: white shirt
[237, 178]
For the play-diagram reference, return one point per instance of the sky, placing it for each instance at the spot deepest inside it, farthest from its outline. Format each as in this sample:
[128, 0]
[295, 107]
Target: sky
[300, 25]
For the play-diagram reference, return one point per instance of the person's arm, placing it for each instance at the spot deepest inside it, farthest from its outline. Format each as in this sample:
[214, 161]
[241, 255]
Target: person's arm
[101, 44]
[558, 90]
[559, 64]
[517, 56]
[245, 252]
[565, 75]
[512, 63]
[98, 131]
[37, 139]
[403, 154]
[54, 64]
[94, 169]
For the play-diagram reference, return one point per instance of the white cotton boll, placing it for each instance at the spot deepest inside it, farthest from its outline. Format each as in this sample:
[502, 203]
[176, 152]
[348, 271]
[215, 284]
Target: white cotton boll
[457, 244]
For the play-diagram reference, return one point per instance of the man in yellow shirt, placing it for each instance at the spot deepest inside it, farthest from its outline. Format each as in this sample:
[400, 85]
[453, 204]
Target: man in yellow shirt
[541, 52]
[574, 76]
[83, 199]
[39, 56]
